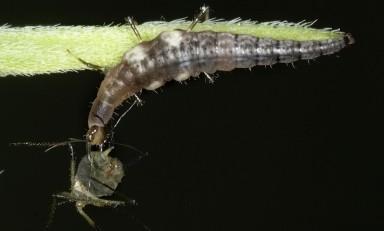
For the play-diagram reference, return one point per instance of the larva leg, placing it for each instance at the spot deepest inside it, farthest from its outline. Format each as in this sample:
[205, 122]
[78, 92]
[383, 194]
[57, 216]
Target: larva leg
[201, 17]
[90, 65]
[210, 79]
[132, 23]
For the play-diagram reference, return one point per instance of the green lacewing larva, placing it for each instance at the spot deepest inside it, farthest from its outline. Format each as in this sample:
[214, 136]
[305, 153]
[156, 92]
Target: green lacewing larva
[179, 54]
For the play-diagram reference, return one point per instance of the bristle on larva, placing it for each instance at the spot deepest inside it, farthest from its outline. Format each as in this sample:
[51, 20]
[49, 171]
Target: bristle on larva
[179, 54]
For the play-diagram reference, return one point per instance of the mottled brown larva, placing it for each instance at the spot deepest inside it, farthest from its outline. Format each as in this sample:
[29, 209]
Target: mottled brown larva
[179, 54]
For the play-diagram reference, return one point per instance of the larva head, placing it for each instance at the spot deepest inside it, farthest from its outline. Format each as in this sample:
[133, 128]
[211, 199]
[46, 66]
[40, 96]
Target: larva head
[95, 135]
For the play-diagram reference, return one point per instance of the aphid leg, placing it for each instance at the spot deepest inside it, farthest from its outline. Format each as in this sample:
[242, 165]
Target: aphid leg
[90, 65]
[79, 207]
[201, 17]
[72, 170]
[210, 79]
[99, 203]
[52, 211]
[132, 23]
[80, 203]
[110, 203]
[137, 220]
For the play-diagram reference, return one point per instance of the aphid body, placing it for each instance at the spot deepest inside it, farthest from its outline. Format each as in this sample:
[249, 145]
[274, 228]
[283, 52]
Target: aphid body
[179, 54]
[97, 175]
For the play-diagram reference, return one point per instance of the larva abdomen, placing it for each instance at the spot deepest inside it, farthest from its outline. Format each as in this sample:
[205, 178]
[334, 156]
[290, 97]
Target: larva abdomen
[177, 55]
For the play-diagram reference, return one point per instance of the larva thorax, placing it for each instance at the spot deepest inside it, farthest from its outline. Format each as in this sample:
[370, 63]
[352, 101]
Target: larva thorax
[179, 54]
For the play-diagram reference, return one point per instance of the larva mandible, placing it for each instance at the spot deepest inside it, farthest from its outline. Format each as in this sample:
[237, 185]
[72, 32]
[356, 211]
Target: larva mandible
[179, 54]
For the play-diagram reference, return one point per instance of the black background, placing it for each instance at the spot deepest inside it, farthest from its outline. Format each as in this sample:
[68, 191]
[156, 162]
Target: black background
[277, 148]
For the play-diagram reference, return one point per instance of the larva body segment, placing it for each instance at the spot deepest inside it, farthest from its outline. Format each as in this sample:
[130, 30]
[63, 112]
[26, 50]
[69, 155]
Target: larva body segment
[179, 54]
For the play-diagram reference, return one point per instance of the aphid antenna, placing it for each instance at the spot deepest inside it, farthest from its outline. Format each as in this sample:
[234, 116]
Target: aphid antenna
[141, 153]
[51, 145]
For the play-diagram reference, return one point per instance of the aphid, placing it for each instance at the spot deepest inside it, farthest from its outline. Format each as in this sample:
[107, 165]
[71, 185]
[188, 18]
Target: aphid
[179, 54]
[96, 176]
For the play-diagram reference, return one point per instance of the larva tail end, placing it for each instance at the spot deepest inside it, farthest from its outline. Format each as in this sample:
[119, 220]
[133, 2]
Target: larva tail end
[348, 38]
